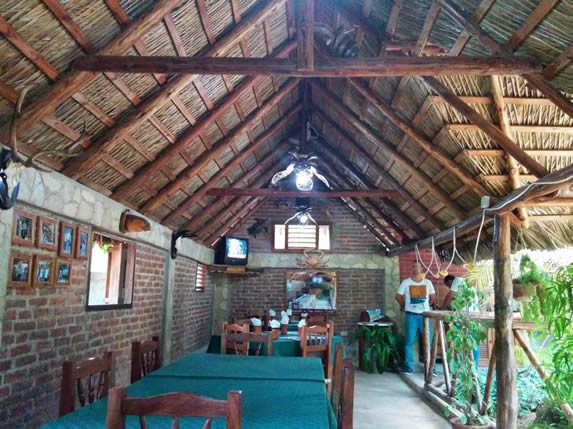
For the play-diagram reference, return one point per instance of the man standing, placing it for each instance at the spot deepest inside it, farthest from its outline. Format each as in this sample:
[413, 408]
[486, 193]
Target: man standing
[415, 295]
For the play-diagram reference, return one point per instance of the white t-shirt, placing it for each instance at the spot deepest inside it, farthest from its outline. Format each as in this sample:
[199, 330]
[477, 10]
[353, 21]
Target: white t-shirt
[456, 283]
[416, 294]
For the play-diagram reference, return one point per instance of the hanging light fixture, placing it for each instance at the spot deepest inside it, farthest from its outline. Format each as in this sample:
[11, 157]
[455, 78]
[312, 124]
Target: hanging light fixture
[302, 212]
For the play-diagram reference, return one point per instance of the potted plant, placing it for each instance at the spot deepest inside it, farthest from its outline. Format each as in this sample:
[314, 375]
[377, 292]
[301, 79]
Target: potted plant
[382, 348]
[464, 335]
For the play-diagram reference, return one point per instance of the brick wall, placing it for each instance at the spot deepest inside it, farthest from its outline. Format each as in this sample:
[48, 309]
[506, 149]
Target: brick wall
[357, 290]
[407, 260]
[191, 310]
[45, 326]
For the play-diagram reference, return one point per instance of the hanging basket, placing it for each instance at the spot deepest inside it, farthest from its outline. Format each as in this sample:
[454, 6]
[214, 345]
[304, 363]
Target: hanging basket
[523, 292]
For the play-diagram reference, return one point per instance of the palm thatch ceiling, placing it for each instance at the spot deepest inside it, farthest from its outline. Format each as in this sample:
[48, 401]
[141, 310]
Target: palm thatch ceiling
[160, 142]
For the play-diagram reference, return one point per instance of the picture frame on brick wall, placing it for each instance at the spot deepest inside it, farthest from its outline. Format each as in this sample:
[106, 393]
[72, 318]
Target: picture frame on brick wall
[67, 240]
[44, 267]
[24, 229]
[20, 270]
[63, 273]
[47, 233]
[83, 244]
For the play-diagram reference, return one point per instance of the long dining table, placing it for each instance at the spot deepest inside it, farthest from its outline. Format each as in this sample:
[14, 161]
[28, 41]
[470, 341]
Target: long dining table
[281, 392]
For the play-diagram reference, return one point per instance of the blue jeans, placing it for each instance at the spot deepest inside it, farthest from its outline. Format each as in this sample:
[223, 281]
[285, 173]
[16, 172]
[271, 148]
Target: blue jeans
[414, 323]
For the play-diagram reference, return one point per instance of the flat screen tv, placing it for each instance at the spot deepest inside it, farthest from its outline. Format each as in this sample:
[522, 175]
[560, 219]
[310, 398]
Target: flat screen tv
[232, 251]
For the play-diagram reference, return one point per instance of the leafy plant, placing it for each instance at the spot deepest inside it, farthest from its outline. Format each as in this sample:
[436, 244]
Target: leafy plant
[464, 335]
[382, 348]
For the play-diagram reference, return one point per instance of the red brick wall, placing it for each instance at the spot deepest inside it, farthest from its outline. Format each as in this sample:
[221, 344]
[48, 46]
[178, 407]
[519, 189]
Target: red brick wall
[191, 310]
[45, 326]
[407, 260]
[348, 234]
[357, 290]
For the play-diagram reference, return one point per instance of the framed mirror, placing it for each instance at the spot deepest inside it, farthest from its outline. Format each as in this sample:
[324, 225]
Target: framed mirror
[311, 290]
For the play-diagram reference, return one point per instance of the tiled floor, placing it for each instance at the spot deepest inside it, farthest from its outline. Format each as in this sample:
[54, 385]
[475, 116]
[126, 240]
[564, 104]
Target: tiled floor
[385, 401]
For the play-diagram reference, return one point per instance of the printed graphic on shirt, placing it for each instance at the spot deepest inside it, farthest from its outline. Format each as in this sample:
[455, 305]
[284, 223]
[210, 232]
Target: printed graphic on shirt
[417, 294]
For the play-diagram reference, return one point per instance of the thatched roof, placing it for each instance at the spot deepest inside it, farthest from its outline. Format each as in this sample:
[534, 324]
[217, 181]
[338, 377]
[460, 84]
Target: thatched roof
[159, 142]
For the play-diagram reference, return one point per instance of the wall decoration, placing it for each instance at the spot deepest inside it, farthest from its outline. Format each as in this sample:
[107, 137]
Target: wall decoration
[63, 272]
[83, 243]
[311, 290]
[20, 270]
[47, 233]
[67, 240]
[24, 228]
[130, 222]
[43, 271]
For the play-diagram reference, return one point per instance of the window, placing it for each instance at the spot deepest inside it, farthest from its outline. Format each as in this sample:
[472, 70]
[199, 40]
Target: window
[201, 278]
[301, 237]
[112, 272]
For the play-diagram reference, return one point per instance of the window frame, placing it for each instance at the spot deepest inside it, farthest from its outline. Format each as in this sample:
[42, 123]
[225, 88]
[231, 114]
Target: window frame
[201, 273]
[128, 275]
[299, 249]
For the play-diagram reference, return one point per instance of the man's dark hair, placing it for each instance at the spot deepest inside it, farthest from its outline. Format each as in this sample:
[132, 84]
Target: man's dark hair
[448, 279]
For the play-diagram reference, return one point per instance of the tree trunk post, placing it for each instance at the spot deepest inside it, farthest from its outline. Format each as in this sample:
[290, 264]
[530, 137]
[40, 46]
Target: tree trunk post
[504, 354]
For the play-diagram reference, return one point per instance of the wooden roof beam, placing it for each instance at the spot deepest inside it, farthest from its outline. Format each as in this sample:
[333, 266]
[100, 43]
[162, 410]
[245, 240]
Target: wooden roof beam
[535, 80]
[533, 20]
[498, 153]
[432, 149]
[549, 202]
[550, 183]
[416, 205]
[391, 151]
[491, 130]
[217, 177]
[560, 63]
[206, 157]
[554, 129]
[305, 34]
[519, 101]
[336, 193]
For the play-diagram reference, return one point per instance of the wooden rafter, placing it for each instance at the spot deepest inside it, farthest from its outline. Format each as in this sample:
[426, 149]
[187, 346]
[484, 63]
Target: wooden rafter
[555, 181]
[549, 202]
[530, 24]
[184, 176]
[305, 34]
[491, 130]
[479, 13]
[387, 177]
[389, 149]
[535, 80]
[554, 129]
[233, 164]
[518, 101]
[561, 62]
[337, 193]
[498, 153]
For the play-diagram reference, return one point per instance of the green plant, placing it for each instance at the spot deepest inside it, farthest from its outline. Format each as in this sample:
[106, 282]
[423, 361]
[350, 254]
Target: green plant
[382, 348]
[528, 288]
[464, 335]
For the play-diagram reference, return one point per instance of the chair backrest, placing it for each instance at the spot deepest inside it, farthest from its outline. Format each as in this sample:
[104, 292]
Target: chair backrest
[145, 358]
[235, 339]
[85, 382]
[320, 319]
[177, 404]
[347, 397]
[259, 340]
[317, 341]
[337, 381]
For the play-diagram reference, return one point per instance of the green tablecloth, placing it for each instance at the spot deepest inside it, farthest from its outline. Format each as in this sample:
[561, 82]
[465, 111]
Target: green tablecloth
[285, 345]
[285, 401]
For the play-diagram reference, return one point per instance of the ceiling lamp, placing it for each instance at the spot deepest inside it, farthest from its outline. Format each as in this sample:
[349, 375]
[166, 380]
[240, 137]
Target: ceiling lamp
[302, 215]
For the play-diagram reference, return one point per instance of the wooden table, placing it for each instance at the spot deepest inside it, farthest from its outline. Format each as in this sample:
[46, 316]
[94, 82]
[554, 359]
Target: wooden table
[279, 392]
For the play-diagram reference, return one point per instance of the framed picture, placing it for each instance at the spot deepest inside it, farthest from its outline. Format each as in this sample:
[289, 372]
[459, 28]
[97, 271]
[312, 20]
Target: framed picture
[44, 267]
[47, 234]
[67, 240]
[82, 242]
[20, 270]
[63, 272]
[311, 290]
[24, 228]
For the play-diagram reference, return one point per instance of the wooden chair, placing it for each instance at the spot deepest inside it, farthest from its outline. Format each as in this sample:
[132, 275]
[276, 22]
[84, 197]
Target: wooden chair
[85, 381]
[347, 397]
[177, 404]
[235, 338]
[260, 339]
[317, 341]
[145, 358]
[337, 382]
[320, 319]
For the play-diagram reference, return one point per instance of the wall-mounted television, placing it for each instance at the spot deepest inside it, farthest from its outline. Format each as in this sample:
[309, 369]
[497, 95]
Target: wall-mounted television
[232, 251]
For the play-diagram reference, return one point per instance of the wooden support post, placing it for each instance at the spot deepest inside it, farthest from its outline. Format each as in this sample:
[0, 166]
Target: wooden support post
[441, 332]
[488, 383]
[506, 375]
[433, 355]
[427, 357]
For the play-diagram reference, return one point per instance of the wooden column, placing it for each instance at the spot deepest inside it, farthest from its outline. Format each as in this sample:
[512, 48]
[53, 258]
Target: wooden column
[506, 373]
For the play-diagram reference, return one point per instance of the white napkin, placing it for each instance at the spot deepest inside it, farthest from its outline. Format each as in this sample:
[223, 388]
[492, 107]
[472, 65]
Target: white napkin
[272, 313]
[275, 324]
[284, 318]
[301, 323]
[256, 322]
[304, 315]
[289, 312]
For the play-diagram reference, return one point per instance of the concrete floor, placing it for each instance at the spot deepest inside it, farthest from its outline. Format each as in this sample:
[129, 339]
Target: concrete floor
[385, 401]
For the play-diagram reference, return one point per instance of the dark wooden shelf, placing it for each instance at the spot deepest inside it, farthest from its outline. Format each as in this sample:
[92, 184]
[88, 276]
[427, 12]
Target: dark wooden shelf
[235, 270]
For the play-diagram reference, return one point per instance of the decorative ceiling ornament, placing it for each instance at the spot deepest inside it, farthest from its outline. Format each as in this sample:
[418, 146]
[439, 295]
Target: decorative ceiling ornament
[302, 212]
[303, 165]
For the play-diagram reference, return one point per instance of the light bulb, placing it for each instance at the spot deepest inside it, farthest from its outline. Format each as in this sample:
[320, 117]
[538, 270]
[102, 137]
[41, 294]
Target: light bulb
[304, 180]
[303, 219]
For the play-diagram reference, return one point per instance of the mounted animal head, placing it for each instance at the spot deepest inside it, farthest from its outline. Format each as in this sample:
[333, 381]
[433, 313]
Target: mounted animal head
[260, 226]
[129, 222]
[12, 163]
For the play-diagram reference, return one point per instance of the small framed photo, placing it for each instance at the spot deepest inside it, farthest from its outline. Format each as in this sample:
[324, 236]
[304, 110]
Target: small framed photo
[20, 270]
[82, 242]
[44, 267]
[47, 234]
[24, 228]
[67, 240]
[63, 272]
